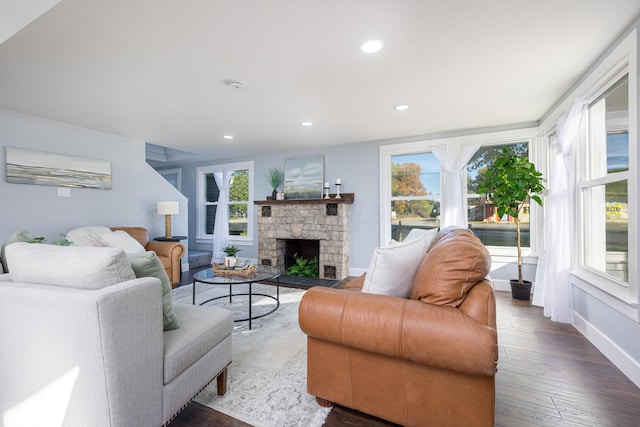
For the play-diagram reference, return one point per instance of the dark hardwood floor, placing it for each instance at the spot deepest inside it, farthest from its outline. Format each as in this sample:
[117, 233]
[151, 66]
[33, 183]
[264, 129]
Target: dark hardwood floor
[548, 375]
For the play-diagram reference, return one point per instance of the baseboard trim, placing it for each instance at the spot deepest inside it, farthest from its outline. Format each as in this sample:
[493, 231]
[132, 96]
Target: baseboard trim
[184, 266]
[501, 285]
[620, 358]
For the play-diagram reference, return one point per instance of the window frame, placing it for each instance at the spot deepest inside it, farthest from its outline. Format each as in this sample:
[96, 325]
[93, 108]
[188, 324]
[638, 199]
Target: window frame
[527, 134]
[202, 172]
[625, 291]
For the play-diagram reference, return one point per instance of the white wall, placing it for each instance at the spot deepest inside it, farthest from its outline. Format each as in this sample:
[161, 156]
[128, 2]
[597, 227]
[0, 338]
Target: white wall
[136, 187]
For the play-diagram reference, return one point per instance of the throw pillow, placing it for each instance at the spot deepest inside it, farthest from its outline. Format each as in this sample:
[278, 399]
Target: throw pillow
[148, 264]
[69, 266]
[21, 236]
[454, 264]
[123, 240]
[392, 269]
[88, 236]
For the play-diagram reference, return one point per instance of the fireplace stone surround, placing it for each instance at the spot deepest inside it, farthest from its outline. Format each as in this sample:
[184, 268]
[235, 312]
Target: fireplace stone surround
[326, 220]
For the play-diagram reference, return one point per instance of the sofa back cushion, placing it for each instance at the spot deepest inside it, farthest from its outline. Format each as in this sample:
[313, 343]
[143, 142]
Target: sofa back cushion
[80, 267]
[456, 261]
[141, 234]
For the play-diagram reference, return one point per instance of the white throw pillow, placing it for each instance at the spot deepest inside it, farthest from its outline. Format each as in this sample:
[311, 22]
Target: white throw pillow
[70, 266]
[88, 236]
[392, 269]
[416, 233]
[123, 240]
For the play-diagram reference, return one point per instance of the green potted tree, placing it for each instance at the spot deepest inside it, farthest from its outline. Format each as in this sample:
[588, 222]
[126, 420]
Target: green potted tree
[509, 183]
[275, 177]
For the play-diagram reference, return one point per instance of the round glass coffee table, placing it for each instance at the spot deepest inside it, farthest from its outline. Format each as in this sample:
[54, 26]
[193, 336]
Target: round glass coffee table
[261, 274]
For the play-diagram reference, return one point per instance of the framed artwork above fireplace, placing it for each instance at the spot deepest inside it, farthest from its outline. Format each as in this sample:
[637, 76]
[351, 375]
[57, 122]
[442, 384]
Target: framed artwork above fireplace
[303, 177]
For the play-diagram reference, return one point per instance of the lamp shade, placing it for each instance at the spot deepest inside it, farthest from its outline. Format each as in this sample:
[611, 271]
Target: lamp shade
[168, 208]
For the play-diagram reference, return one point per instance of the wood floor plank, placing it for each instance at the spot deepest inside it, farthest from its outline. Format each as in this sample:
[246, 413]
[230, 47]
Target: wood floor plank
[549, 375]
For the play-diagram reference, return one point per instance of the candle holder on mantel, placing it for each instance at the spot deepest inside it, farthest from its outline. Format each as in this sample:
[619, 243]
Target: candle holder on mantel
[326, 190]
[338, 184]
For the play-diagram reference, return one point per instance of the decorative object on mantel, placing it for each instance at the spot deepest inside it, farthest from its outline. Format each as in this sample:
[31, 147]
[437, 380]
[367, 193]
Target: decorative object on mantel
[338, 184]
[275, 177]
[326, 190]
[303, 177]
[43, 168]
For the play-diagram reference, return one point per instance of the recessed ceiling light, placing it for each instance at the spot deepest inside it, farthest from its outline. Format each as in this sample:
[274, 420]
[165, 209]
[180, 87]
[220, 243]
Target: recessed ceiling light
[401, 107]
[307, 124]
[371, 46]
[228, 137]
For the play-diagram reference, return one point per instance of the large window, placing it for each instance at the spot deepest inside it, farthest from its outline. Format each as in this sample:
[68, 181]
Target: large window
[412, 178]
[240, 194]
[604, 188]
[481, 214]
[415, 193]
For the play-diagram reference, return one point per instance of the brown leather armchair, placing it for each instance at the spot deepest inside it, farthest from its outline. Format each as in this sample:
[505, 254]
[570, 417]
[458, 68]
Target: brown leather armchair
[169, 253]
[406, 360]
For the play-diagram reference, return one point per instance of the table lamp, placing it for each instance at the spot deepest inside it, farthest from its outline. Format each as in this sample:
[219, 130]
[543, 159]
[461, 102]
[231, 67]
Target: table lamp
[167, 209]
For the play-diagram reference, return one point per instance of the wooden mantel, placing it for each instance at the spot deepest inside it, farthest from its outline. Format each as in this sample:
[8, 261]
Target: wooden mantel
[347, 198]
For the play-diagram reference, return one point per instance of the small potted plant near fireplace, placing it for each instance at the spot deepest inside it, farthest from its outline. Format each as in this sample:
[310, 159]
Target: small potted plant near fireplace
[509, 183]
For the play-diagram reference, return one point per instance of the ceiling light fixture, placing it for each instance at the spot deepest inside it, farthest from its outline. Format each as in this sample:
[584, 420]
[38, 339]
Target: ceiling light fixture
[228, 137]
[401, 107]
[371, 46]
[306, 124]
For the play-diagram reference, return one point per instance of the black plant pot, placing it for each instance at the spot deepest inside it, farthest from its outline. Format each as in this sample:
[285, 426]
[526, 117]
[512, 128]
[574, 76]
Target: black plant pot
[521, 291]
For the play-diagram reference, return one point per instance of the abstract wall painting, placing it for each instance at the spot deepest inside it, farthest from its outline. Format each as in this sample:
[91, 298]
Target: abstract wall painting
[303, 177]
[43, 168]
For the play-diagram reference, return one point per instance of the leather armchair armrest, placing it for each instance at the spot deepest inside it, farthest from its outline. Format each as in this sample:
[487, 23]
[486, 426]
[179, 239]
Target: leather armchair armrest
[439, 336]
[172, 250]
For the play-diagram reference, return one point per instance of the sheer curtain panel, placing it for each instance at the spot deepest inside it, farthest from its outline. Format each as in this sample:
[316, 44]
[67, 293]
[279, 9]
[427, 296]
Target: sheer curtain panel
[452, 210]
[552, 289]
[221, 223]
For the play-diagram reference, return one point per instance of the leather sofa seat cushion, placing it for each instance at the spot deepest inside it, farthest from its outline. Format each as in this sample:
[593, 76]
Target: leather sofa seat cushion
[456, 261]
[194, 338]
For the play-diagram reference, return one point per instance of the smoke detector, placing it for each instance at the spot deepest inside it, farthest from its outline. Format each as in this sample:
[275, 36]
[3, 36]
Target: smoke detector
[235, 84]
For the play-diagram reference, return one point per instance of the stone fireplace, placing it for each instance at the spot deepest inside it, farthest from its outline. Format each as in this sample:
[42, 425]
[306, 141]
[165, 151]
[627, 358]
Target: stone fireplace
[326, 221]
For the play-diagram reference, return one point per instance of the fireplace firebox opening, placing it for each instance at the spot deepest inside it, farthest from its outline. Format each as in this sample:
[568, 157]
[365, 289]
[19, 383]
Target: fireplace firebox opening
[302, 248]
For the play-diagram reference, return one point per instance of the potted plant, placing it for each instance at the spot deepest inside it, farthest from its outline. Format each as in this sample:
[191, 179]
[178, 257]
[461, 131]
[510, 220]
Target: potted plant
[231, 259]
[508, 183]
[275, 177]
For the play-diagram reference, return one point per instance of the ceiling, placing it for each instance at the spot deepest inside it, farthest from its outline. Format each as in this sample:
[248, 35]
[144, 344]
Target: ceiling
[156, 70]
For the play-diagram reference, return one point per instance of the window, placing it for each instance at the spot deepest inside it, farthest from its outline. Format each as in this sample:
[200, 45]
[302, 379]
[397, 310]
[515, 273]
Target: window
[482, 218]
[604, 189]
[415, 193]
[411, 179]
[240, 193]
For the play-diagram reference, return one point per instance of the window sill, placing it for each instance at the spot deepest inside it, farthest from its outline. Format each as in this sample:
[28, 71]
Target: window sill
[242, 241]
[618, 299]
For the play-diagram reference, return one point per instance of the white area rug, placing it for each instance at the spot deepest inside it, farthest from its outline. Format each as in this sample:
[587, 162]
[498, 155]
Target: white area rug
[267, 379]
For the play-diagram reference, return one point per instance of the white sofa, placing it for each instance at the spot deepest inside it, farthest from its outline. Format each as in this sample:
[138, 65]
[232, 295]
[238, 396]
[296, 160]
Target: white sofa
[82, 342]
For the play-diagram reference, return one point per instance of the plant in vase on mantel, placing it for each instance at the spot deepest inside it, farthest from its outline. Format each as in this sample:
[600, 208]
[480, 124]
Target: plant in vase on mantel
[509, 183]
[275, 178]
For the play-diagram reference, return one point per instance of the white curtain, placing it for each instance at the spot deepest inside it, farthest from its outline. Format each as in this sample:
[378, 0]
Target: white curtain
[221, 223]
[552, 289]
[452, 203]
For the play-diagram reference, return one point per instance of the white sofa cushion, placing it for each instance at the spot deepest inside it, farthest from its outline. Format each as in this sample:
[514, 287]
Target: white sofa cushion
[392, 269]
[123, 240]
[71, 266]
[88, 235]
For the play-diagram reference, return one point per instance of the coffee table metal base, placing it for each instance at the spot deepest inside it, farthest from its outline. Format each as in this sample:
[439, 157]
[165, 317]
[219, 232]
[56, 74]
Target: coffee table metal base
[251, 294]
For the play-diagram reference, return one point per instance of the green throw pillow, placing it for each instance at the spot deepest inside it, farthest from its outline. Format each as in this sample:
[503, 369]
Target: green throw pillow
[147, 264]
[21, 236]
